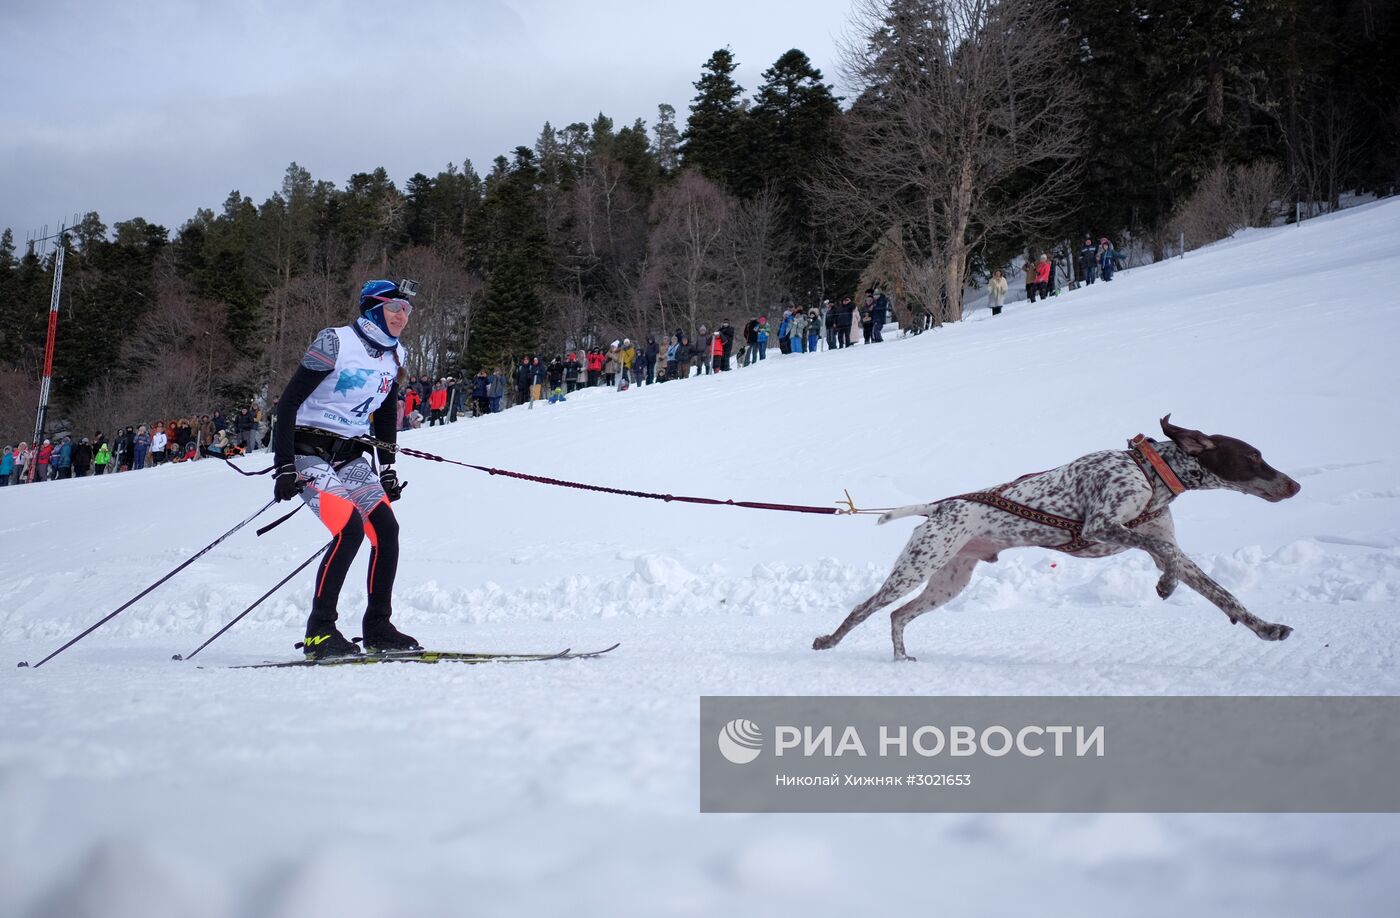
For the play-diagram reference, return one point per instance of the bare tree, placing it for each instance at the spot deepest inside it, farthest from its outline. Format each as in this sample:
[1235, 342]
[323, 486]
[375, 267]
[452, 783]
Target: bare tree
[1230, 198]
[19, 403]
[310, 302]
[609, 235]
[184, 364]
[891, 270]
[966, 126]
[437, 338]
[755, 248]
[1322, 152]
[686, 259]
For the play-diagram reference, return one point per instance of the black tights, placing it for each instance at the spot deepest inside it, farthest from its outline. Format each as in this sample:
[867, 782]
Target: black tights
[383, 565]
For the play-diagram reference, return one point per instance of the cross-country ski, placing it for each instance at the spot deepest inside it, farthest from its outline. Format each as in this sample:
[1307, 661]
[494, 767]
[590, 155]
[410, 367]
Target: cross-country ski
[429, 656]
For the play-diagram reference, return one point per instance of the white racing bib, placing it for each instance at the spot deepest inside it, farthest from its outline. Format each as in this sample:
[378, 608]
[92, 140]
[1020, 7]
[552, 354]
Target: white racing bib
[356, 386]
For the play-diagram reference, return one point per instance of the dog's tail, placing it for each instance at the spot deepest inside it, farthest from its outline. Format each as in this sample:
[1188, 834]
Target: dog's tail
[912, 510]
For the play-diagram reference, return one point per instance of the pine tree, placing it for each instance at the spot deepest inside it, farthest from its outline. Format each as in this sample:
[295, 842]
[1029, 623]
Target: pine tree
[716, 139]
[794, 127]
[108, 287]
[216, 250]
[508, 323]
[1330, 92]
[1168, 86]
[794, 116]
[668, 139]
[9, 295]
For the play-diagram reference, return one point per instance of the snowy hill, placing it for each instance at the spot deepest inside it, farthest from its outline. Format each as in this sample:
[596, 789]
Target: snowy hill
[133, 785]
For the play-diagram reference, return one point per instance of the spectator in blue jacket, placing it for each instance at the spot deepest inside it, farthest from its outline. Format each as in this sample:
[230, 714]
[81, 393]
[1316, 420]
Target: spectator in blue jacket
[140, 444]
[879, 314]
[481, 393]
[246, 426]
[672, 351]
[495, 389]
[1108, 259]
[1089, 260]
[649, 353]
[61, 465]
[785, 332]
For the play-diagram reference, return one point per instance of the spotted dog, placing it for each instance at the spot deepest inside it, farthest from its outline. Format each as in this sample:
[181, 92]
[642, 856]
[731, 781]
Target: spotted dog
[1105, 502]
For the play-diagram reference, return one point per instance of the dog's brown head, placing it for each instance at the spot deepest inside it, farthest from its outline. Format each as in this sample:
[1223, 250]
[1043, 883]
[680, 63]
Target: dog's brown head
[1231, 463]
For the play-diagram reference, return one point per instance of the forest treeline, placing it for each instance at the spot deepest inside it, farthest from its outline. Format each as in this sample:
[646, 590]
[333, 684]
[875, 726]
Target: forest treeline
[966, 132]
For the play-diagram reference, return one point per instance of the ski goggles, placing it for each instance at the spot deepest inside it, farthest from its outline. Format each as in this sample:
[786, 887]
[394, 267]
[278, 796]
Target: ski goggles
[394, 305]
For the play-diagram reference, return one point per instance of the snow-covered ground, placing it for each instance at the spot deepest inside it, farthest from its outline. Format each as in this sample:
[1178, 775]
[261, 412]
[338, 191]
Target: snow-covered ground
[134, 785]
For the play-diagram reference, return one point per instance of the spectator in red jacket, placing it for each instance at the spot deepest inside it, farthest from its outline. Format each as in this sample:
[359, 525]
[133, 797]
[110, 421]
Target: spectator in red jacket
[41, 461]
[1042, 275]
[596, 361]
[437, 403]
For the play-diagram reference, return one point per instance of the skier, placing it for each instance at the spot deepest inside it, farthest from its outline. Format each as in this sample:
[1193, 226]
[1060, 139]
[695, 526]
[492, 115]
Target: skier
[334, 396]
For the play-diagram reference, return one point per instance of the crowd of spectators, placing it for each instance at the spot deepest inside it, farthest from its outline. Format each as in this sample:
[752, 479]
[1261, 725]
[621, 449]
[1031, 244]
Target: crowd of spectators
[425, 401]
[136, 447]
[1096, 261]
[647, 361]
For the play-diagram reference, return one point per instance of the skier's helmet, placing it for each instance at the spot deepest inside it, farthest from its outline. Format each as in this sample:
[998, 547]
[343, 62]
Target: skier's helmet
[377, 291]
[373, 297]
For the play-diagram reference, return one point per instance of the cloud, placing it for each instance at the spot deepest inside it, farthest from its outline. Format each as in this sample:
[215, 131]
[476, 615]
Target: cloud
[159, 107]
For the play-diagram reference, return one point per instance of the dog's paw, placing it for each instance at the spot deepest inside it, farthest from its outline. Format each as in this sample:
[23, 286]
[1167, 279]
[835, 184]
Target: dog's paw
[905, 658]
[1166, 587]
[823, 643]
[1273, 632]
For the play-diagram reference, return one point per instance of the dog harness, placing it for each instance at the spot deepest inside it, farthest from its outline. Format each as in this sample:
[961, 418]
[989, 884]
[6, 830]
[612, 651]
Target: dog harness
[1149, 460]
[1144, 456]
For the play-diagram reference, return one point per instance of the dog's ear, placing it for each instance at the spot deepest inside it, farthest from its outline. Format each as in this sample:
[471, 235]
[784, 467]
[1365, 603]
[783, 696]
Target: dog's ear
[1193, 441]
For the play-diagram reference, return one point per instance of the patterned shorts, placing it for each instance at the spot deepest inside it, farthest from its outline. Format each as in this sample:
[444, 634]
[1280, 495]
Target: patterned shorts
[335, 493]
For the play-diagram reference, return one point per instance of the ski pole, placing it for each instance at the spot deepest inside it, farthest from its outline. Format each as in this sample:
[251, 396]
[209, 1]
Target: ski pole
[257, 602]
[113, 614]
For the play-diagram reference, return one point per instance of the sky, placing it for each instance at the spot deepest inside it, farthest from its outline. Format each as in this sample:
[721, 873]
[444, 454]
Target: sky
[155, 108]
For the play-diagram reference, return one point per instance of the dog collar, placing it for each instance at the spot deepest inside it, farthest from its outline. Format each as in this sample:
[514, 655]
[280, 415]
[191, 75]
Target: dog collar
[1144, 448]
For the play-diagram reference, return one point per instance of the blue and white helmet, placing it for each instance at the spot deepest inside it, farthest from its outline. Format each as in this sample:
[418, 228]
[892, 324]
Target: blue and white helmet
[378, 288]
[371, 321]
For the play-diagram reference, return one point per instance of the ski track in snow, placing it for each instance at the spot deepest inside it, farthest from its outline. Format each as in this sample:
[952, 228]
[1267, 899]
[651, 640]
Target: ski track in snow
[134, 785]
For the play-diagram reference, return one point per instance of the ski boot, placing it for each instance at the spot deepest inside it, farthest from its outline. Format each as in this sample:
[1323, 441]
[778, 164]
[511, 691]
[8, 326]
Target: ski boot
[380, 636]
[326, 642]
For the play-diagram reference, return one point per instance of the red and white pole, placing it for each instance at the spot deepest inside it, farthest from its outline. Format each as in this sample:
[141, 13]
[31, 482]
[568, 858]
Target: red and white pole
[47, 381]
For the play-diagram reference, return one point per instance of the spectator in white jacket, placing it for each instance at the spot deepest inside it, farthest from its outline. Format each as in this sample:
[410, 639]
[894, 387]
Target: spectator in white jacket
[159, 439]
[996, 291]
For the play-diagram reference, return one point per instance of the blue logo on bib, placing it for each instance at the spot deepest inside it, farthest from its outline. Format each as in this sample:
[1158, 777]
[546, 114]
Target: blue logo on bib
[350, 380]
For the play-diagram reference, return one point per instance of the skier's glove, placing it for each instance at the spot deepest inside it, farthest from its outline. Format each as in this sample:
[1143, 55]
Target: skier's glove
[393, 489]
[288, 483]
